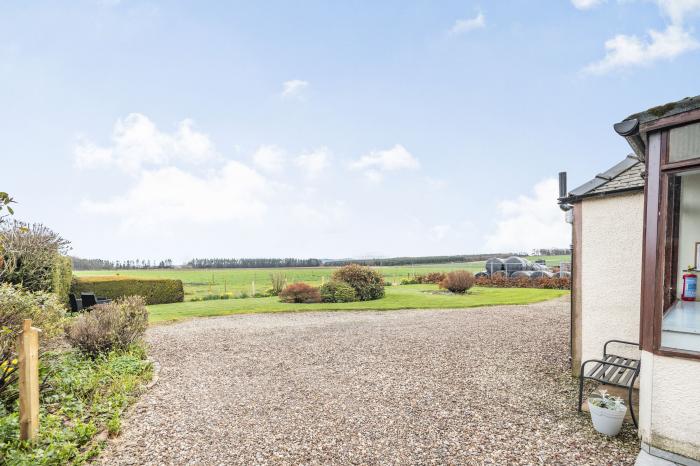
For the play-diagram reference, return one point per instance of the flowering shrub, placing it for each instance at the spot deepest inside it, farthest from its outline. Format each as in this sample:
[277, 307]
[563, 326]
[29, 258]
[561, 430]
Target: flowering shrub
[17, 304]
[458, 281]
[300, 293]
[367, 282]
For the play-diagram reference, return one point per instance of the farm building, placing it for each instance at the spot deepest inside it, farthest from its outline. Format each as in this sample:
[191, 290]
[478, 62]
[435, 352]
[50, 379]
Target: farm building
[636, 234]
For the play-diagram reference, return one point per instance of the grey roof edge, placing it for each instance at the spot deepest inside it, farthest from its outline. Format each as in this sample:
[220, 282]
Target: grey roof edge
[585, 190]
[666, 110]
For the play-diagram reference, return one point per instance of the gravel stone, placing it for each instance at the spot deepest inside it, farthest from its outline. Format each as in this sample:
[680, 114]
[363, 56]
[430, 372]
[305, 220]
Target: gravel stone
[466, 386]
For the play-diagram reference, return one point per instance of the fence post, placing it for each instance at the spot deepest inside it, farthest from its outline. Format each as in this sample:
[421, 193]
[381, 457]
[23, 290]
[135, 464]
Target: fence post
[28, 350]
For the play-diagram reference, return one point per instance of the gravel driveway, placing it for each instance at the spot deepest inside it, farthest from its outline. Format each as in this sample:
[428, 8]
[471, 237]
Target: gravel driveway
[477, 386]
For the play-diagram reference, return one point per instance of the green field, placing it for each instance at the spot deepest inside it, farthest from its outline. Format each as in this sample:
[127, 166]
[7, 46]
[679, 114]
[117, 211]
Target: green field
[397, 297]
[202, 282]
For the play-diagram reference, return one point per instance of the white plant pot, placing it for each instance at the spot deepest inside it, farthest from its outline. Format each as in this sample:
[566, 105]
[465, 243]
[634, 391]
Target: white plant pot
[607, 421]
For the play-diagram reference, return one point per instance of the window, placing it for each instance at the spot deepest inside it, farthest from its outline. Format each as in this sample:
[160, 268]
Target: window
[684, 143]
[680, 327]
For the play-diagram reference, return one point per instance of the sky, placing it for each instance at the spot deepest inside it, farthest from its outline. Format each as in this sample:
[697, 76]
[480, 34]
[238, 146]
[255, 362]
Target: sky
[146, 129]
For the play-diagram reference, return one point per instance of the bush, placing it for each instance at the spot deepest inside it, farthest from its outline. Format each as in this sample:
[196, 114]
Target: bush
[367, 282]
[17, 304]
[112, 326]
[154, 291]
[553, 283]
[458, 281]
[278, 280]
[300, 293]
[62, 277]
[337, 292]
[30, 255]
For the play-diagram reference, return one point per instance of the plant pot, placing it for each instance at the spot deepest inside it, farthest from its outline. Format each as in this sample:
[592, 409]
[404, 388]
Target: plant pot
[607, 421]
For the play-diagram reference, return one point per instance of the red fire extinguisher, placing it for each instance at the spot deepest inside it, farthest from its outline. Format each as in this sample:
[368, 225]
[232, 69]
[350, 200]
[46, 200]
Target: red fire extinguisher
[690, 286]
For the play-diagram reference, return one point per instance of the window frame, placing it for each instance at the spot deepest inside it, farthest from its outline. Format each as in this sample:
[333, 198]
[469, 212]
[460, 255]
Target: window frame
[660, 244]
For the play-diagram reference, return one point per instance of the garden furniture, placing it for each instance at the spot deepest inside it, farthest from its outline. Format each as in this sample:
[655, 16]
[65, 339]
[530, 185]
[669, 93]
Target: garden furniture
[613, 370]
[76, 304]
[89, 300]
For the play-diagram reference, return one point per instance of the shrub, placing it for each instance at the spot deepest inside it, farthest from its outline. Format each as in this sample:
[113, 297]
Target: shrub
[367, 282]
[30, 256]
[554, 283]
[300, 293]
[17, 304]
[154, 291]
[62, 277]
[409, 281]
[278, 280]
[337, 292]
[112, 326]
[458, 281]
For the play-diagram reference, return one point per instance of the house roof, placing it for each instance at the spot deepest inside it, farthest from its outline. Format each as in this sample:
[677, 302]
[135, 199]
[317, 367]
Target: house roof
[666, 110]
[626, 176]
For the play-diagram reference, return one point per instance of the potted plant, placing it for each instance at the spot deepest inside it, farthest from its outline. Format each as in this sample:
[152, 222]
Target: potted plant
[607, 412]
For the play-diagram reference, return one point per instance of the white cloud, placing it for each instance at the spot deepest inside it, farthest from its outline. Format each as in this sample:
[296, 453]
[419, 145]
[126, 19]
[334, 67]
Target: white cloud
[462, 26]
[166, 197]
[396, 158]
[625, 51]
[377, 162]
[313, 163]
[586, 4]
[677, 10]
[270, 158]
[529, 222]
[294, 88]
[137, 142]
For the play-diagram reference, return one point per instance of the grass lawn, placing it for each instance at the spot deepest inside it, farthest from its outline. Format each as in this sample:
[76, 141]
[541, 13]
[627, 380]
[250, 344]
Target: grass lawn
[202, 282]
[397, 297]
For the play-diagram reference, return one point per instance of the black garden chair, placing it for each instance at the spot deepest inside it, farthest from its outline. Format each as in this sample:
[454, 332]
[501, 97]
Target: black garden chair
[89, 299]
[612, 370]
[76, 305]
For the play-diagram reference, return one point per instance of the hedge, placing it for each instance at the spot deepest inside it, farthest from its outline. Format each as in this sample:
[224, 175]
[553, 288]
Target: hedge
[61, 275]
[496, 281]
[154, 291]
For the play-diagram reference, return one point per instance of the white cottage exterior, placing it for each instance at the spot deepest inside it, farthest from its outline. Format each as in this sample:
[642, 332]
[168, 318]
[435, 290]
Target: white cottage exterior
[636, 231]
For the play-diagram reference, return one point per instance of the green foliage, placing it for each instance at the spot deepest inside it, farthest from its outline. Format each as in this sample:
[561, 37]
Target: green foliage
[498, 281]
[30, 253]
[458, 281]
[278, 281]
[154, 291]
[300, 293]
[5, 201]
[337, 292]
[112, 326]
[17, 304]
[83, 396]
[367, 282]
[61, 277]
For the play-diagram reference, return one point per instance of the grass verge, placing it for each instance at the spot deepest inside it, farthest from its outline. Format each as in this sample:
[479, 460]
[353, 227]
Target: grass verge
[397, 297]
[81, 398]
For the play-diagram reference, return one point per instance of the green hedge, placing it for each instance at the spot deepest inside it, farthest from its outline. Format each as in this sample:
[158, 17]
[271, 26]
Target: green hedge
[61, 275]
[154, 291]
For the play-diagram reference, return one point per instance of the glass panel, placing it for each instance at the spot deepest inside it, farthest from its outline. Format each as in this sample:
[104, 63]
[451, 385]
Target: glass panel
[681, 323]
[684, 143]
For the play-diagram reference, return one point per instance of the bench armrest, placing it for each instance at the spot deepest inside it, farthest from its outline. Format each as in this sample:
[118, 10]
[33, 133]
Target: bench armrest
[605, 346]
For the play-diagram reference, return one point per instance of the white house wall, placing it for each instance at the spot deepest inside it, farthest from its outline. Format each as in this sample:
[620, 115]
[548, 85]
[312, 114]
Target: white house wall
[611, 264]
[670, 404]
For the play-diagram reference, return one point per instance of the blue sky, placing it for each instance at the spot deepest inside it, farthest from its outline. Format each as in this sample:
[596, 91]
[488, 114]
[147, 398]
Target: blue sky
[324, 129]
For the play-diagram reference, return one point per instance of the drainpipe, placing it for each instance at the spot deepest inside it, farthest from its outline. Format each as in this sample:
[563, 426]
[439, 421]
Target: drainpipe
[566, 207]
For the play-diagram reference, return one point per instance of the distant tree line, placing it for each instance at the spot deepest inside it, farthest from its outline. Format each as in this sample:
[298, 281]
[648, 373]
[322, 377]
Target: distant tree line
[244, 263]
[391, 261]
[80, 263]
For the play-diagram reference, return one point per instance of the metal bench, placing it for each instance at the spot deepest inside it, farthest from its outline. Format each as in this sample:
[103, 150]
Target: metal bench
[612, 370]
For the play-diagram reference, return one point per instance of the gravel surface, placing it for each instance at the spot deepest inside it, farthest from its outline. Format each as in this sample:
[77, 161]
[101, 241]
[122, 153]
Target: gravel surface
[477, 386]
